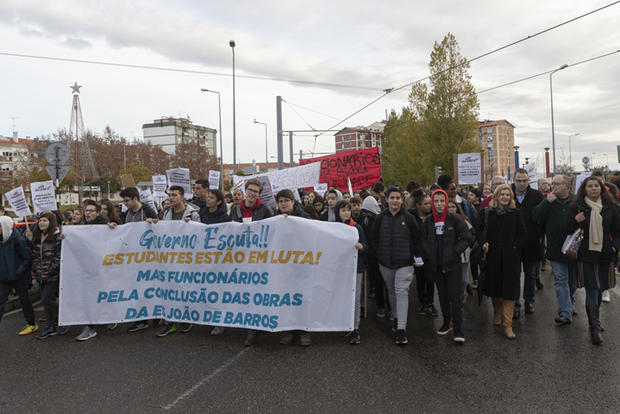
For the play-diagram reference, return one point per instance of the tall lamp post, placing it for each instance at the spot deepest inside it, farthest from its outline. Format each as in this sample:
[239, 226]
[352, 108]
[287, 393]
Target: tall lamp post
[266, 149]
[564, 66]
[570, 150]
[516, 148]
[232, 46]
[219, 105]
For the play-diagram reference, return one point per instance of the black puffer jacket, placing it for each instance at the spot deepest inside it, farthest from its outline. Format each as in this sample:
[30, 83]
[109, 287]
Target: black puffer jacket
[456, 238]
[46, 259]
[395, 238]
[533, 250]
[218, 216]
[297, 211]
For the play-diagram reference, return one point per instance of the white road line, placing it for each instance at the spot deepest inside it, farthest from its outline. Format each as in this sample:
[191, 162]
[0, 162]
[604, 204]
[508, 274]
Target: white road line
[205, 380]
[13, 312]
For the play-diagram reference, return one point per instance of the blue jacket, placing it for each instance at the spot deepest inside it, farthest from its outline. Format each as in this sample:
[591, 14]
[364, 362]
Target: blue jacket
[15, 257]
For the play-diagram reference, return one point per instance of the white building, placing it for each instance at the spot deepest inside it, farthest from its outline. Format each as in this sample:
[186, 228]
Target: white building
[169, 132]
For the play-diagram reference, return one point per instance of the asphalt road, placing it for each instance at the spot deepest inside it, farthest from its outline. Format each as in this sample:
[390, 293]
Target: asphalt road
[547, 368]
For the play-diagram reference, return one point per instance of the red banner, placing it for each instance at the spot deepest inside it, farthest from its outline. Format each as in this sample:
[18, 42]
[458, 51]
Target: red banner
[363, 167]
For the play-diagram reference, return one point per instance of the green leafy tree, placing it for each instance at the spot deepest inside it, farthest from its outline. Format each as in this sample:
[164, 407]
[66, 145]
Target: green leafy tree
[440, 120]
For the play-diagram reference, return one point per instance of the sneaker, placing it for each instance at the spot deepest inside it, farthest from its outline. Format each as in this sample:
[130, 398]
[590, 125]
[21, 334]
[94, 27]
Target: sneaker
[185, 327]
[166, 329]
[606, 297]
[539, 284]
[49, 331]
[304, 339]
[287, 339]
[445, 328]
[380, 313]
[562, 320]
[86, 334]
[431, 310]
[458, 337]
[28, 329]
[138, 326]
[392, 317]
[529, 308]
[250, 339]
[422, 310]
[400, 337]
[218, 330]
[354, 338]
[62, 330]
[112, 326]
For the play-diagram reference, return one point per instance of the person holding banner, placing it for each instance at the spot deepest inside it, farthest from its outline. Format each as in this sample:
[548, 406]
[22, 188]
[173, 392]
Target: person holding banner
[343, 208]
[109, 211]
[178, 211]
[248, 210]
[395, 236]
[46, 243]
[136, 211]
[215, 211]
[595, 211]
[201, 192]
[15, 261]
[287, 206]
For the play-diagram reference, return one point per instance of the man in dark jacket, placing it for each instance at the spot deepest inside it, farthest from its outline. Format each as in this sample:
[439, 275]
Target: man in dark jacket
[15, 261]
[215, 211]
[553, 213]
[201, 192]
[526, 199]
[250, 209]
[395, 236]
[136, 211]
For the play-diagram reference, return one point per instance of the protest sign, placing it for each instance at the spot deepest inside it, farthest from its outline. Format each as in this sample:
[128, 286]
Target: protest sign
[214, 180]
[532, 174]
[17, 200]
[127, 181]
[321, 189]
[469, 167]
[292, 178]
[180, 177]
[43, 196]
[146, 197]
[363, 167]
[267, 195]
[259, 275]
[159, 185]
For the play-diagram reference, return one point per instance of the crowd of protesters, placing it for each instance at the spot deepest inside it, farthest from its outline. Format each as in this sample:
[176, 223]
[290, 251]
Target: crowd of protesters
[452, 240]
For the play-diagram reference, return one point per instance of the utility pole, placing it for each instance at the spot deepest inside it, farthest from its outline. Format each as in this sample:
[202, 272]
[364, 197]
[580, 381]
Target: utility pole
[290, 145]
[279, 128]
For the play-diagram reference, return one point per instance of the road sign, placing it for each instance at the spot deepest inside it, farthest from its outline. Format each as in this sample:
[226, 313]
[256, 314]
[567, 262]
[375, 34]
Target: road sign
[57, 153]
[57, 173]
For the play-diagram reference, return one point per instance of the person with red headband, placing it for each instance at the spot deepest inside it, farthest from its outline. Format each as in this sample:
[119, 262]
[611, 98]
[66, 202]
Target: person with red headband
[445, 237]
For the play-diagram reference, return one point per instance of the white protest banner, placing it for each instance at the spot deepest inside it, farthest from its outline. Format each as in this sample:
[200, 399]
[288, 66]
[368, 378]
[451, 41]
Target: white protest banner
[292, 178]
[532, 174]
[43, 196]
[214, 180]
[159, 185]
[579, 179]
[268, 193]
[17, 200]
[146, 197]
[321, 189]
[259, 275]
[469, 168]
[180, 177]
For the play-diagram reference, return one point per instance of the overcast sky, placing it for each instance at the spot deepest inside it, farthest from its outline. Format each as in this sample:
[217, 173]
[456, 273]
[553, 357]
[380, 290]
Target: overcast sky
[350, 43]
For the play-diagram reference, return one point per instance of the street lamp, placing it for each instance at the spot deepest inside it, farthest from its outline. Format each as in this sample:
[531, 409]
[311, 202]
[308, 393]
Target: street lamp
[266, 149]
[232, 46]
[570, 151]
[564, 66]
[516, 148]
[219, 105]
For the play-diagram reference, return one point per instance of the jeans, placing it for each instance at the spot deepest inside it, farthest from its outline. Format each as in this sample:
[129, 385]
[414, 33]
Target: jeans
[358, 299]
[530, 271]
[565, 283]
[449, 290]
[21, 289]
[425, 287]
[397, 282]
[49, 290]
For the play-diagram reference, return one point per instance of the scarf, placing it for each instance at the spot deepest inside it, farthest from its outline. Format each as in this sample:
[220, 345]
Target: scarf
[439, 219]
[595, 242]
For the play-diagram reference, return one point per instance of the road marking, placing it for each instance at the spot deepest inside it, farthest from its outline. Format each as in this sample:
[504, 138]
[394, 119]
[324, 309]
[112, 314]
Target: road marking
[205, 380]
[13, 312]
